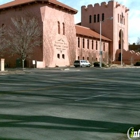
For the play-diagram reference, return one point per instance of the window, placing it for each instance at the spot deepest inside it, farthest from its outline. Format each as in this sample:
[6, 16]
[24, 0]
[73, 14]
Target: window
[58, 27]
[83, 43]
[78, 42]
[103, 16]
[92, 44]
[88, 44]
[121, 19]
[78, 57]
[118, 18]
[90, 19]
[96, 45]
[83, 58]
[94, 18]
[63, 28]
[58, 55]
[63, 56]
[2, 31]
[98, 18]
[87, 58]
[104, 46]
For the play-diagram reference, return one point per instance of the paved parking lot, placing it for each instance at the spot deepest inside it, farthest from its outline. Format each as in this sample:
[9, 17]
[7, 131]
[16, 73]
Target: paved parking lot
[70, 104]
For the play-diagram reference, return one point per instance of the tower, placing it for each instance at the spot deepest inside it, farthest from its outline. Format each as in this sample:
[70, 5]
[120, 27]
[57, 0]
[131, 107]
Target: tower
[116, 29]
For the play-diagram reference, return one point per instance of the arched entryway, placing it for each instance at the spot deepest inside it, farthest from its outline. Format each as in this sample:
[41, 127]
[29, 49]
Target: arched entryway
[121, 39]
[121, 43]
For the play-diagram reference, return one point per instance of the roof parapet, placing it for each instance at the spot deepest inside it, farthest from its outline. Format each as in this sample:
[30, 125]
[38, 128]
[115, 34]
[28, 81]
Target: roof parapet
[90, 6]
[96, 5]
[103, 4]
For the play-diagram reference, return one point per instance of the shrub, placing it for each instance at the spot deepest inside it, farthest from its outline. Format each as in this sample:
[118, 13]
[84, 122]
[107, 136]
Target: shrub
[137, 64]
[97, 64]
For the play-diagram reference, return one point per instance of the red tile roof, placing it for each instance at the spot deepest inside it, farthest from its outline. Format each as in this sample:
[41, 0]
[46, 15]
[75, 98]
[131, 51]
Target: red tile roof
[81, 30]
[22, 2]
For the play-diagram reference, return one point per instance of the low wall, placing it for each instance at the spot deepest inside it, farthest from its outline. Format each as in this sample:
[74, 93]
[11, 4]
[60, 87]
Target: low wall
[128, 57]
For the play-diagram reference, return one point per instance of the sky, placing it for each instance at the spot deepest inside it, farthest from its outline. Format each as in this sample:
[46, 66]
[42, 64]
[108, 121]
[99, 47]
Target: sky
[134, 13]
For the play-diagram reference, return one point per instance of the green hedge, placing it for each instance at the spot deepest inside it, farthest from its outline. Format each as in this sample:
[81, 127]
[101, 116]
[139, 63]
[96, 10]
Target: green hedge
[137, 64]
[97, 64]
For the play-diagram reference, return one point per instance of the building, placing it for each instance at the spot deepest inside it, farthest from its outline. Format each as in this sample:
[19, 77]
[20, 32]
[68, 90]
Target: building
[114, 20]
[63, 41]
[88, 45]
[57, 22]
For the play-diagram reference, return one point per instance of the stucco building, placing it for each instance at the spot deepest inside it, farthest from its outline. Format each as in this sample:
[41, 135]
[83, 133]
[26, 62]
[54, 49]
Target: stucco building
[114, 22]
[58, 30]
[62, 40]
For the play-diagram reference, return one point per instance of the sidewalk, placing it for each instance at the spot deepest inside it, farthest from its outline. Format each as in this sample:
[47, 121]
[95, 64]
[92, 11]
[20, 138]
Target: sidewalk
[13, 71]
[28, 70]
[125, 66]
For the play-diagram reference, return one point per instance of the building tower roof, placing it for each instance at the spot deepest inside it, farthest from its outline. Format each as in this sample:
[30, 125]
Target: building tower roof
[23, 2]
[85, 31]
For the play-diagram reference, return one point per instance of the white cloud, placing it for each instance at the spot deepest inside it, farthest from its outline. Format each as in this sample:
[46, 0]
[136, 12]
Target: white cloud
[134, 13]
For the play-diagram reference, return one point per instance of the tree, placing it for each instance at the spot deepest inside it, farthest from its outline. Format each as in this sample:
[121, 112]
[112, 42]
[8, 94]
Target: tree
[3, 41]
[138, 41]
[24, 35]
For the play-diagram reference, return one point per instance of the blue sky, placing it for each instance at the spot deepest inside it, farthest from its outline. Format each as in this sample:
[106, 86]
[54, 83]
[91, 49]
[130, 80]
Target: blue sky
[134, 13]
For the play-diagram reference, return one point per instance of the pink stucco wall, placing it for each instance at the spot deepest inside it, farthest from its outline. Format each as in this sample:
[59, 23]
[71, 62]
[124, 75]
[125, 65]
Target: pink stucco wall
[91, 53]
[130, 57]
[65, 46]
[58, 44]
[52, 42]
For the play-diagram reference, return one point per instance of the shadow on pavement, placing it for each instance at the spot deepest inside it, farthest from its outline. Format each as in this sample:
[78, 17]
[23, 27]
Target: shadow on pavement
[2, 138]
[51, 122]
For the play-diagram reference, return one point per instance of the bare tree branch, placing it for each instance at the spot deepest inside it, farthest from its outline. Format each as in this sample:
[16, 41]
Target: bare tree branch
[24, 36]
[3, 41]
[138, 41]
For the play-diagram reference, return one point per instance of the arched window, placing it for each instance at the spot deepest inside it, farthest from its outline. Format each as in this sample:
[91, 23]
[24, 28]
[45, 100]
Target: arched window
[83, 43]
[90, 19]
[88, 44]
[78, 42]
[63, 56]
[103, 16]
[121, 36]
[94, 18]
[63, 28]
[78, 57]
[104, 46]
[96, 45]
[58, 27]
[120, 19]
[58, 55]
[98, 18]
[92, 44]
